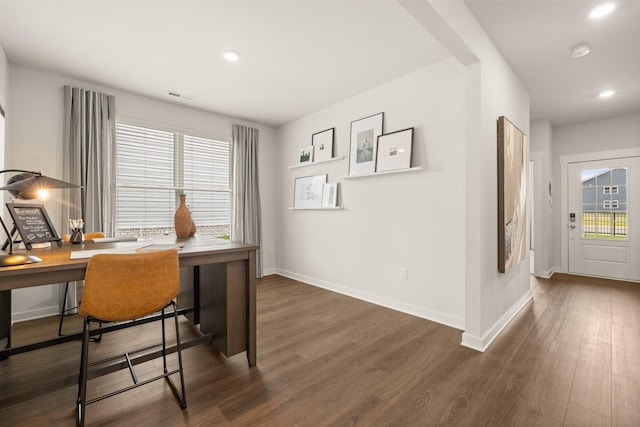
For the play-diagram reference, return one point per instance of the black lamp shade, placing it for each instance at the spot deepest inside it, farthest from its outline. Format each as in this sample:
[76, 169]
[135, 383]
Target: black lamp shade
[26, 185]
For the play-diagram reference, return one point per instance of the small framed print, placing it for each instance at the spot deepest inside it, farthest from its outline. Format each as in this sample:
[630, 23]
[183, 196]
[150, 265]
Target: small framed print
[305, 155]
[323, 145]
[394, 150]
[364, 134]
[307, 192]
[330, 195]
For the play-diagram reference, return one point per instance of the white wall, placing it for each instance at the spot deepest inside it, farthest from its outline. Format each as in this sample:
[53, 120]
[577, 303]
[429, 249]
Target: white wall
[491, 298]
[338, 250]
[541, 143]
[617, 133]
[34, 142]
[413, 220]
[4, 83]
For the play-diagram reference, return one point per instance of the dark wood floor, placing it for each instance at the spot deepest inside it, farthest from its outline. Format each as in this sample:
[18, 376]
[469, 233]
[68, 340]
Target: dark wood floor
[572, 357]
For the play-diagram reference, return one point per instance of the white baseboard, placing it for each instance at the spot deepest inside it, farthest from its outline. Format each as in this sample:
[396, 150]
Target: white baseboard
[482, 343]
[23, 316]
[435, 316]
[269, 271]
[546, 274]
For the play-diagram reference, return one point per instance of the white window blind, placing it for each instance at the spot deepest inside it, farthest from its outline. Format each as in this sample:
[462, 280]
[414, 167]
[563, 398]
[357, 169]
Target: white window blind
[154, 167]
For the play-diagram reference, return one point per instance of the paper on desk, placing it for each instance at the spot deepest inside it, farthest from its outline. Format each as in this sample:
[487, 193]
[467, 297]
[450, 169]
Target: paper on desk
[160, 247]
[129, 249]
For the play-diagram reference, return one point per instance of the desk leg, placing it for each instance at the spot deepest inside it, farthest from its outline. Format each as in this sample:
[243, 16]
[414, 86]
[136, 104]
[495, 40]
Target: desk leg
[223, 305]
[251, 309]
[5, 321]
[189, 296]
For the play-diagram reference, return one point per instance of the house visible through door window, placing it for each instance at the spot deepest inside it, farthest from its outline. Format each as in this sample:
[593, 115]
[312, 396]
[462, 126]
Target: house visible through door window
[154, 167]
[604, 203]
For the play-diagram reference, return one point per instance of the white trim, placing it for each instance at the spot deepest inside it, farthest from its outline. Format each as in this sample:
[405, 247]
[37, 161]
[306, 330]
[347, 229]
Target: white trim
[546, 274]
[23, 316]
[600, 155]
[536, 204]
[435, 316]
[269, 271]
[564, 186]
[482, 343]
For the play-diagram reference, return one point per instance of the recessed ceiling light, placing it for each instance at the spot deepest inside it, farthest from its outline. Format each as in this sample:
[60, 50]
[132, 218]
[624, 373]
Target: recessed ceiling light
[580, 50]
[601, 10]
[230, 55]
[607, 93]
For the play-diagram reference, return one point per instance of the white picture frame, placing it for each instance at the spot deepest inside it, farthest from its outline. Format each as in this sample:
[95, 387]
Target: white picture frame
[394, 150]
[305, 155]
[362, 152]
[307, 191]
[330, 195]
[323, 145]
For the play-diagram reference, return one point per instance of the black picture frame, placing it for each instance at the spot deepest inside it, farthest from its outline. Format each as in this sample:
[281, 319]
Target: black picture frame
[363, 149]
[33, 224]
[323, 145]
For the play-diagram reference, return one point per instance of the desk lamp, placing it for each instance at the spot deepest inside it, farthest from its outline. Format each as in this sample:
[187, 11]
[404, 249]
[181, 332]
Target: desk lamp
[26, 185]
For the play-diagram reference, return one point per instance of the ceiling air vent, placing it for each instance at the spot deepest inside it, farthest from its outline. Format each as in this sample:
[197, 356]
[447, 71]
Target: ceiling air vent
[180, 95]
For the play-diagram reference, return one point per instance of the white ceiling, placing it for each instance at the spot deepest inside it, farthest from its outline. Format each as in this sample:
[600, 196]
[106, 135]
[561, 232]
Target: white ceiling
[536, 37]
[297, 56]
[300, 56]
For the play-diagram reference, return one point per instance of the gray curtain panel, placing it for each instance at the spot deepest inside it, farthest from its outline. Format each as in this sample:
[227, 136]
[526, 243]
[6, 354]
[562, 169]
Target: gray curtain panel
[89, 146]
[246, 221]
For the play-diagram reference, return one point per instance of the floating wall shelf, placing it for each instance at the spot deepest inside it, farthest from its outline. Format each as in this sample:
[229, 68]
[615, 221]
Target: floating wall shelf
[333, 159]
[414, 169]
[337, 208]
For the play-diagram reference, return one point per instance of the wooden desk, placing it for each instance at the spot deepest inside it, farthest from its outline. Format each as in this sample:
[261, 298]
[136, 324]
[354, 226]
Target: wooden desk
[223, 273]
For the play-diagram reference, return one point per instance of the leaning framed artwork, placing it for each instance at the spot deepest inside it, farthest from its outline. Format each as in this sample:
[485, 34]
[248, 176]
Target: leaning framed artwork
[307, 192]
[364, 136]
[322, 145]
[305, 155]
[512, 195]
[394, 150]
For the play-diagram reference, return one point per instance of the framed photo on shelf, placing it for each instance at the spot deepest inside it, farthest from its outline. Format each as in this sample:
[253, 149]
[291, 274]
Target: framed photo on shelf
[394, 150]
[330, 195]
[362, 152]
[322, 145]
[308, 190]
[305, 155]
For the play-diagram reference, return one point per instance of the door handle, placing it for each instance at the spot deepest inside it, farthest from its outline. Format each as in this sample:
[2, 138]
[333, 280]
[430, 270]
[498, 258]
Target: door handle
[572, 226]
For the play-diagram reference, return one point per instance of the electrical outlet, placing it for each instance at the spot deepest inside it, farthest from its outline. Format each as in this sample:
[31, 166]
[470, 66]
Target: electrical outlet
[404, 273]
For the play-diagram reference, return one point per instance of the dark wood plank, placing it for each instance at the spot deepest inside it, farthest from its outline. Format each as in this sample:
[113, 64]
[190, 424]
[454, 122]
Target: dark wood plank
[572, 357]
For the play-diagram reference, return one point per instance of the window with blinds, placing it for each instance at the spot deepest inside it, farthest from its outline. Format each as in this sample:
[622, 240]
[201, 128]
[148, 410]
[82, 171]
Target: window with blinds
[153, 167]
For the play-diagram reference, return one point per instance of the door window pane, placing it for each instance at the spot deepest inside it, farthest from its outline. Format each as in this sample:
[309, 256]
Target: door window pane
[604, 203]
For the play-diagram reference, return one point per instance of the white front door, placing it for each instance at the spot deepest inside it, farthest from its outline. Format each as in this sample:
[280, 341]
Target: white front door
[604, 218]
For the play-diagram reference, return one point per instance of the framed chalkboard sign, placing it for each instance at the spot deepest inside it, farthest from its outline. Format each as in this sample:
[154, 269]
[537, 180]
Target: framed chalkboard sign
[33, 224]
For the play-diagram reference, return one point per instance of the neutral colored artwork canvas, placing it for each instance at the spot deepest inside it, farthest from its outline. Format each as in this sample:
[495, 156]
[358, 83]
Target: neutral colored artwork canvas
[512, 195]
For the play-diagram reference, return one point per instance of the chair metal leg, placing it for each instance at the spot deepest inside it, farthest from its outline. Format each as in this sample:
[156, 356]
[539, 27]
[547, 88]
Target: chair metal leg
[84, 366]
[183, 401]
[180, 395]
[82, 378]
[63, 310]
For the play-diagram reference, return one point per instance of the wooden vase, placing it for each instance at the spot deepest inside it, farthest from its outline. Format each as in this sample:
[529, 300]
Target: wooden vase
[182, 222]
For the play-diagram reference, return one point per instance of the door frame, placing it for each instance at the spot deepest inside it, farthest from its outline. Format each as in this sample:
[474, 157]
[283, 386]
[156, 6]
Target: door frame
[564, 185]
[535, 217]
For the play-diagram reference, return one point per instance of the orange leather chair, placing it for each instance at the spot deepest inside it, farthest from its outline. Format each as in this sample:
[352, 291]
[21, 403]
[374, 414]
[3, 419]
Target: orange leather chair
[64, 310]
[122, 287]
